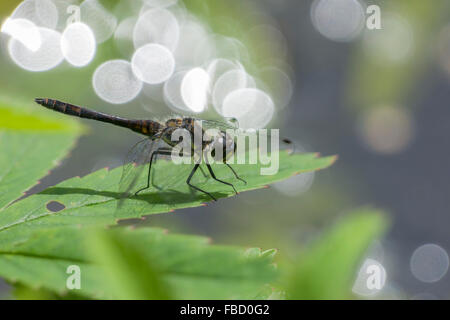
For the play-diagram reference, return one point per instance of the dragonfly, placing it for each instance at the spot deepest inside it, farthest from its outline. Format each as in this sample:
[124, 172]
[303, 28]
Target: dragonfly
[158, 141]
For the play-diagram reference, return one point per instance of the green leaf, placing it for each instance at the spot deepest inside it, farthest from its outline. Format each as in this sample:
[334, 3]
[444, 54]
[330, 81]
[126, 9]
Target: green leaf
[128, 273]
[93, 200]
[188, 266]
[22, 292]
[326, 269]
[30, 145]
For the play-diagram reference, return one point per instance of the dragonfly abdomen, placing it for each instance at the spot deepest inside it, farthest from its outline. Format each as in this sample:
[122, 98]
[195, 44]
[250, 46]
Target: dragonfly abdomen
[71, 109]
[145, 127]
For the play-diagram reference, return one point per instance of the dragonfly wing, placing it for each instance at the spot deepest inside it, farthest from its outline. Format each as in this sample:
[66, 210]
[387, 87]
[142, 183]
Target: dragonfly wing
[135, 163]
[219, 125]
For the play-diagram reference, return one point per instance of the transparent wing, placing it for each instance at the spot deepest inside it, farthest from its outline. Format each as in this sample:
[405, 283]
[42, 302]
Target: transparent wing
[233, 124]
[219, 125]
[135, 163]
[262, 139]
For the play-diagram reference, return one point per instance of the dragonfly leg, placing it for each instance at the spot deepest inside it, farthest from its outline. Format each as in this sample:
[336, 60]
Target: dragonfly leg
[188, 181]
[161, 151]
[203, 172]
[221, 181]
[235, 174]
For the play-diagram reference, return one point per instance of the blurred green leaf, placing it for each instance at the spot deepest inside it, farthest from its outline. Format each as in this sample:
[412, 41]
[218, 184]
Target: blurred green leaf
[128, 273]
[22, 292]
[30, 145]
[186, 266]
[325, 270]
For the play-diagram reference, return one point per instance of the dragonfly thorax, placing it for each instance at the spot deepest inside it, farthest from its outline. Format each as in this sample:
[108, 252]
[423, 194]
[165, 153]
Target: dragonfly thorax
[221, 147]
[189, 134]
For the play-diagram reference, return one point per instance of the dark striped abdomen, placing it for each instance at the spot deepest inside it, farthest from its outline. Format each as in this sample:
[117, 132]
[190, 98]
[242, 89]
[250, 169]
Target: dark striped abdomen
[145, 127]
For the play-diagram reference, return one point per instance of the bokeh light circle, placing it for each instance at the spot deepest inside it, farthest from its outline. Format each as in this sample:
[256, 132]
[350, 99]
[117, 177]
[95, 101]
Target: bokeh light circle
[230, 81]
[194, 89]
[102, 22]
[123, 36]
[394, 43]
[194, 46]
[217, 67]
[229, 48]
[43, 13]
[252, 107]
[23, 30]
[429, 263]
[47, 57]
[64, 14]
[279, 85]
[115, 82]
[172, 92]
[160, 3]
[153, 63]
[296, 185]
[386, 129]
[78, 44]
[157, 26]
[341, 20]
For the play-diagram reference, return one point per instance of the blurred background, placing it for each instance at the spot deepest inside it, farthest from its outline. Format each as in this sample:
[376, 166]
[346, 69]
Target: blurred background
[367, 80]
